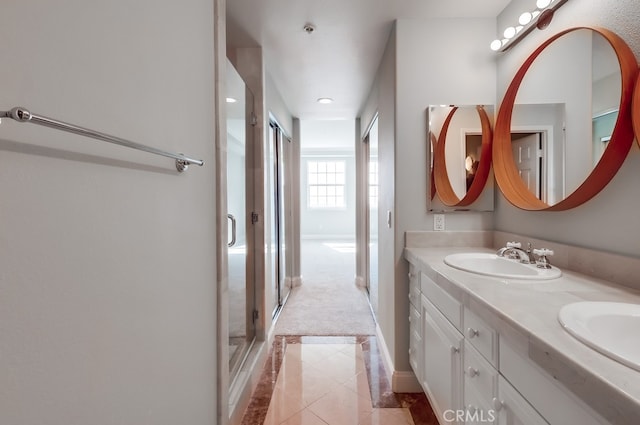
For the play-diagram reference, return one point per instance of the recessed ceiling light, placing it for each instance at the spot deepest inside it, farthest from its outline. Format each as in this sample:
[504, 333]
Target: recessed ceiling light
[231, 100]
[325, 100]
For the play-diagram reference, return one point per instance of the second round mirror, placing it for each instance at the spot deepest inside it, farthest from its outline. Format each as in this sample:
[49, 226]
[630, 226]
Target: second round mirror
[461, 155]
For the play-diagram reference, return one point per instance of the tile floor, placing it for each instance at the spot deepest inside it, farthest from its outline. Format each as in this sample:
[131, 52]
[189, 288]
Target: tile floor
[331, 381]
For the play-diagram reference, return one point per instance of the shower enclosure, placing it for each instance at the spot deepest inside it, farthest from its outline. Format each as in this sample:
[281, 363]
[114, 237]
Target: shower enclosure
[242, 328]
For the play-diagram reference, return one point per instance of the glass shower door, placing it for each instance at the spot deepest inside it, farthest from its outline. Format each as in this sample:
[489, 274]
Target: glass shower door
[241, 283]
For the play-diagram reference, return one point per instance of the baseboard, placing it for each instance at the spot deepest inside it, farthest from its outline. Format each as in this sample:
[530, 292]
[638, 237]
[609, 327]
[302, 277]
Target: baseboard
[405, 382]
[401, 381]
[296, 281]
[361, 282]
[386, 357]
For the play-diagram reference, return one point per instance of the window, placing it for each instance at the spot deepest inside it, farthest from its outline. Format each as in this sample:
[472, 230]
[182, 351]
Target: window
[325, 184]
[373, 183]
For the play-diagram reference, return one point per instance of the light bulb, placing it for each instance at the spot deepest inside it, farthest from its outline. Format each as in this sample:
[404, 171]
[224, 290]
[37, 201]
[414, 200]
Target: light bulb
[496, 45]
[509, 32]
[541, 4]
[231, 100]
[525, 18]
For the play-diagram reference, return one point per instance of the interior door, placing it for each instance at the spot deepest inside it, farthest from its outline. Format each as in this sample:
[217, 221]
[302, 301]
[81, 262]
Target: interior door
[527, 154]
[241, 282]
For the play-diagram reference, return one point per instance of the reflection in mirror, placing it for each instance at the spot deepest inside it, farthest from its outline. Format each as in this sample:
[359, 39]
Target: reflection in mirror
[537, 140]
[564, 113]
[461, 158]
[571, 105]
[432, 182]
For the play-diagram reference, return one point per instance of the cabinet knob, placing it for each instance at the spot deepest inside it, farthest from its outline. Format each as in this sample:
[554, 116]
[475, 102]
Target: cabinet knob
[409, 319]
[454, 350]
[471, 333]
[497, 404]
[410, 297]
[411, 275]
[472, 372]
[410, 351]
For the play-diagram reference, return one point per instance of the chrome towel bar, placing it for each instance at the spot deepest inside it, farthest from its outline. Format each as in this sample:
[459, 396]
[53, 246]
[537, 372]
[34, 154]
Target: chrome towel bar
[21, 114]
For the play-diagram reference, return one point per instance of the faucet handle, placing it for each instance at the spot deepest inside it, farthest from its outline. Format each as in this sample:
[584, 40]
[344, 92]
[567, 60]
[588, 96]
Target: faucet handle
[542, 261]
[514, 245]
[543, 252]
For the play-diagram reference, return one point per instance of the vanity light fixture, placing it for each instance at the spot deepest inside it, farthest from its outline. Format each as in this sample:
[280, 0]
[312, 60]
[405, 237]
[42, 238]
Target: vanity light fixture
[538, 18]
[325, 100]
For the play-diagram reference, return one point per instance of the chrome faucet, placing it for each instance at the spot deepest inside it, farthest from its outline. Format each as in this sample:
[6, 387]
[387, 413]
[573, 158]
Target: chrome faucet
[514, 251]
[504, 250]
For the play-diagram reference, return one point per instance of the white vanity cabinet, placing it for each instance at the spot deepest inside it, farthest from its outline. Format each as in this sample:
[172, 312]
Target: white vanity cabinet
[512, 409]
[442, 368]
[441, 371]
[415, 323]
[475, 369]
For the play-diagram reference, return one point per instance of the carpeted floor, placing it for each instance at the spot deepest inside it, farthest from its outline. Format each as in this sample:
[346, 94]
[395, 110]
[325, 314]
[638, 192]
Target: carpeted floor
[328, 302]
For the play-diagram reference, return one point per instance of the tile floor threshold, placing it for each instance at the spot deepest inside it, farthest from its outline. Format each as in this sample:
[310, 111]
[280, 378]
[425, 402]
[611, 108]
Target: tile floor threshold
[331, 380]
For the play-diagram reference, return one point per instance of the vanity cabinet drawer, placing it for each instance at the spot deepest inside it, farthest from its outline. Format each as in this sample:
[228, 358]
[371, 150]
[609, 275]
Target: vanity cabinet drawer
[478, 410]
[415, 353]
[482, 336]
[415, 322]
[479, 375]
[414, 286]
[448, 306]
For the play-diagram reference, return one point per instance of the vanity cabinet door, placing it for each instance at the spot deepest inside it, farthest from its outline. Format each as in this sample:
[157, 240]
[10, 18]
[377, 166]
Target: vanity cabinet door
[442, 368]
[513, 409]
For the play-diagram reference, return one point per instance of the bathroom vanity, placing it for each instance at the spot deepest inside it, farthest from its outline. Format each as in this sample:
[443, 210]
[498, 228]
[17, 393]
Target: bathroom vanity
[492, 350]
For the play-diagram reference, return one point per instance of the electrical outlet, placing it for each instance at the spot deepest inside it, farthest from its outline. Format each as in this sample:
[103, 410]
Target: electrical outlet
[438, 222]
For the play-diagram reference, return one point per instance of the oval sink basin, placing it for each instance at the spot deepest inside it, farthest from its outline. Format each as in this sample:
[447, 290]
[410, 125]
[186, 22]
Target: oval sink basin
[491, 265]
[607, 327]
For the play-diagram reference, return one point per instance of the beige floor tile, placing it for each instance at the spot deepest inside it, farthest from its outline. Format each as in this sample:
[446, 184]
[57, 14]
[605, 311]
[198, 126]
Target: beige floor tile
[341, 367]
[304, 417]
[283, 405]
[342, 407]
[310, 384]
[360, 385]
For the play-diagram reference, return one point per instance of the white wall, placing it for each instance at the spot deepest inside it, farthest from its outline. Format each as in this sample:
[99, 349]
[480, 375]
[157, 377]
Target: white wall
[609, 221]
[458, 71]
[108, 282]
[417, 71]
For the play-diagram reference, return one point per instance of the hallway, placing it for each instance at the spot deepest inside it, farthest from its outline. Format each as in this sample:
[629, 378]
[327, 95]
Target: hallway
[325, 367]
[328, 302]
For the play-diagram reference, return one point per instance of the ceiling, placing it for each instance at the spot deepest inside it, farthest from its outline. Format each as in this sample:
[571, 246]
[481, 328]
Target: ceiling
[339, 59]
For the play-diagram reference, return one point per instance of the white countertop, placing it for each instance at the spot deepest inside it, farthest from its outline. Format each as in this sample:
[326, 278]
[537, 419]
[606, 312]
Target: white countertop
[531, 308]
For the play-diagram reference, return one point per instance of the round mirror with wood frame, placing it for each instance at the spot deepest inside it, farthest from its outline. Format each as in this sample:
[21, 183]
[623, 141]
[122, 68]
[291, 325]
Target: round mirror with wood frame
[507, 174]
[443, 186]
